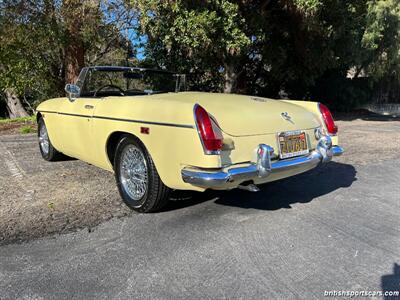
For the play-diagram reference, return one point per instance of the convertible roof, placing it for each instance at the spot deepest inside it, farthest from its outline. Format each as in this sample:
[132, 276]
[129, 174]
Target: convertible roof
[120, 69]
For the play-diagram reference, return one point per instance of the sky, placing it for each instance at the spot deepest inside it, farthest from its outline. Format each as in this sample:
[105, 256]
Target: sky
[138, 41]
[113, 15]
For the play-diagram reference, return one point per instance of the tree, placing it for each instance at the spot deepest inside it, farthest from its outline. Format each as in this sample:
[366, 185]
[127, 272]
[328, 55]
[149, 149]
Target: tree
[73, 13]
[191, 36]
[265, 47]
[301, 48]
[46, 43]
[22, 59]
[381, 38]
[93, 31]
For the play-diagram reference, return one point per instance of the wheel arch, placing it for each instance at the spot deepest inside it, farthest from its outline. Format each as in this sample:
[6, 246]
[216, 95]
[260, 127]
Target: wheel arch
[170, 150]
[38, 117]
[112, 143]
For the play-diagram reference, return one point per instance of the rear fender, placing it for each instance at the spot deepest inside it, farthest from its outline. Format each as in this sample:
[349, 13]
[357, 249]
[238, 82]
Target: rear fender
[313, 108]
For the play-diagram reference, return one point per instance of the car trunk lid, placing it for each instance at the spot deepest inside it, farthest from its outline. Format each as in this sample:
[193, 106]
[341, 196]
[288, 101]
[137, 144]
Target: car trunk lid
[239, 115]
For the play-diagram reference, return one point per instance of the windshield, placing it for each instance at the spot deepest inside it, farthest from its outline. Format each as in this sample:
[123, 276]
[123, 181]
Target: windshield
[101, 82]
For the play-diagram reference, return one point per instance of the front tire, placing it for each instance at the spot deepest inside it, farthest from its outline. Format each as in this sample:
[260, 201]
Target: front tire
[138, 181]
[47, 150]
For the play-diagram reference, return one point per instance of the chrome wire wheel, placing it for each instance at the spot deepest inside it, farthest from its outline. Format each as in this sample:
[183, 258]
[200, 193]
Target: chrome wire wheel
[133, 172]
[44, 141]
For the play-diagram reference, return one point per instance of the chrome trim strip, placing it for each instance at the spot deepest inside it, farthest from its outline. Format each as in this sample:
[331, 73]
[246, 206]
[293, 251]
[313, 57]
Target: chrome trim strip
[121, 120]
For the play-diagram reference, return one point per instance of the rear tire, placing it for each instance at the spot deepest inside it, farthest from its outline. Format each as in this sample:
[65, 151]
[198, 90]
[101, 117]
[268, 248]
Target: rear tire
[137, 179]
[47, 150]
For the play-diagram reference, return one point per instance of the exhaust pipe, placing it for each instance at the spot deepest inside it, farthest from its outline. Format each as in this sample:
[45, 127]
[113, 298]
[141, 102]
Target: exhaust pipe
[250, 187]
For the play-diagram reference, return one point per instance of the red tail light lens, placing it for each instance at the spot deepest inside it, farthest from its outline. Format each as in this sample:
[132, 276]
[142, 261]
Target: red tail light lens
[328, 119]
[210, 136]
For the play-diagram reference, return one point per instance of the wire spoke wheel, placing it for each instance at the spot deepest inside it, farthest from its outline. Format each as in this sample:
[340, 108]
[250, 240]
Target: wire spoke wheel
[133, 172]
[47, 149]
[44, 141]
[138, 181]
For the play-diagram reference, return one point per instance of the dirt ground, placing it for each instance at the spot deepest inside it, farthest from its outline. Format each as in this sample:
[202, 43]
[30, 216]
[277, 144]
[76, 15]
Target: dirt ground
[369, 141]
[27, 125]
[39, 198]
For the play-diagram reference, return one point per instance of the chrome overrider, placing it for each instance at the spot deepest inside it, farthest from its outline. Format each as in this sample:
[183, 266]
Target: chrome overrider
[263, 167]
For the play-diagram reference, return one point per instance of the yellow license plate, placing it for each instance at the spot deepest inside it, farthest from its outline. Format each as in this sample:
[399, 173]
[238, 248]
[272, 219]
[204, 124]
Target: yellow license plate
[292, 143]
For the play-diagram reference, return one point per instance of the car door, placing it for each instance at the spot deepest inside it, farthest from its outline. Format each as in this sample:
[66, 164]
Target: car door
[76, 126]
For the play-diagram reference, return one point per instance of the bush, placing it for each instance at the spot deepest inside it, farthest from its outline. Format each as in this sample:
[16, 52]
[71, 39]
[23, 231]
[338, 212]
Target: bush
[26, 129]
[344, 94]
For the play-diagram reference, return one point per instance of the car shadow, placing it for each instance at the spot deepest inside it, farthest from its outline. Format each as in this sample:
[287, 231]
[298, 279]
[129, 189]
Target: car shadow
[391, 283]
[280, 194]
[302, 188]
[182, 199]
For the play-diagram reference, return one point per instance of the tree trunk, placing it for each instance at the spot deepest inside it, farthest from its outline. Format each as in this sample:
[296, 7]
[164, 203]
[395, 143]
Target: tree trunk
[230, 78]
[74, 61]
[14, 105]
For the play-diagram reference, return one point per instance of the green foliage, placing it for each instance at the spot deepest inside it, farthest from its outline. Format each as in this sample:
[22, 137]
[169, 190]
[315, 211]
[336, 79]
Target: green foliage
[302, 47]
[24, 124]
[194, 36]
[26, 129]
[343, 94]
[18, 120]
[381, 38]
[270, 46]
[308, 6]
[51, 205]
[34, 36]
[23, 60]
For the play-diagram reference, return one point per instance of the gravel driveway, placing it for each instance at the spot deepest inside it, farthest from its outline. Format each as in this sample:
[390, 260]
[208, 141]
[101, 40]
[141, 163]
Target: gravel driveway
[334, 228]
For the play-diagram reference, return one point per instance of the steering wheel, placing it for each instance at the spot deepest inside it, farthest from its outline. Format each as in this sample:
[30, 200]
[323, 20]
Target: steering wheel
[121, 91]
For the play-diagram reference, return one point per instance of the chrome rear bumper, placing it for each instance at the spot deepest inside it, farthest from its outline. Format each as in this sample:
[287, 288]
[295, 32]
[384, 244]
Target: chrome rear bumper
[263, 168]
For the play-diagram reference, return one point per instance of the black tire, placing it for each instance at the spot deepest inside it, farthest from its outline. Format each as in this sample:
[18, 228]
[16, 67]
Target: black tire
[156, 194]
[52, 154]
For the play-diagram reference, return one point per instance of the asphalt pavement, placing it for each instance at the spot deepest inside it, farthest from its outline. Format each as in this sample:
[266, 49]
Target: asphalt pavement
[336, 228]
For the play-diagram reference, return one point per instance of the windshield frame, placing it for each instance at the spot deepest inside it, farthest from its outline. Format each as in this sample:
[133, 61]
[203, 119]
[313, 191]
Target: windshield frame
[180, 79]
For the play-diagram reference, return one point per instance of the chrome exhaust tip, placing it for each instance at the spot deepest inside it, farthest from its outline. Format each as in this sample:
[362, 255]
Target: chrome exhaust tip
[250, 187]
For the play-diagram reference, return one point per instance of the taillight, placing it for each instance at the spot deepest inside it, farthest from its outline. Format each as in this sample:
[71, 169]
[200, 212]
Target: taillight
[328, 119]
[210, 135]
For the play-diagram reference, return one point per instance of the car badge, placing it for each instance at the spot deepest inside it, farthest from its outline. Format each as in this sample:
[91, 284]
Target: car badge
[286, 116]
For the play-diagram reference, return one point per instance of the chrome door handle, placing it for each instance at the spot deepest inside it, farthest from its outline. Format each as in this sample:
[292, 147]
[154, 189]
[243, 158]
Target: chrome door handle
[89, 106]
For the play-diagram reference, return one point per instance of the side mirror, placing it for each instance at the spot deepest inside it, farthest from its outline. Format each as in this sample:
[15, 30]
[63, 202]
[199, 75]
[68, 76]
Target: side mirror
[73, 91]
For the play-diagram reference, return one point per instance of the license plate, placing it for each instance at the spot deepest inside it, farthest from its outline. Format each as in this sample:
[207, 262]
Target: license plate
[292, 143]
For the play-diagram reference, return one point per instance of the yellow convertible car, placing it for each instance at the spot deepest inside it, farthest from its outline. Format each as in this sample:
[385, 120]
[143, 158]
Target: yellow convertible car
[156, 137]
